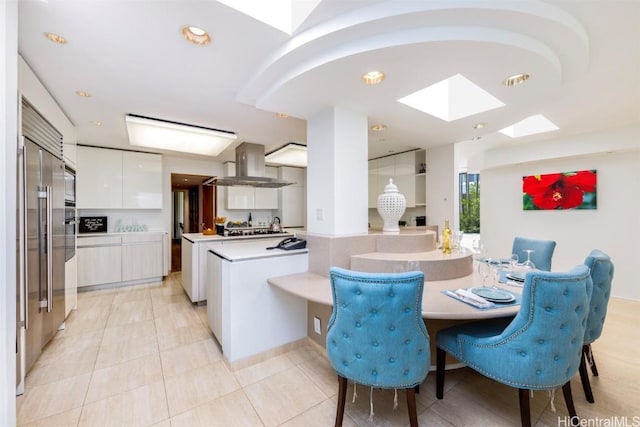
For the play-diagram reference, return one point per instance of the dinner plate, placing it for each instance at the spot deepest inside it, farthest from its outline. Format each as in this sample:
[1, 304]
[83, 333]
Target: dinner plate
[517, 276]
[494, 295]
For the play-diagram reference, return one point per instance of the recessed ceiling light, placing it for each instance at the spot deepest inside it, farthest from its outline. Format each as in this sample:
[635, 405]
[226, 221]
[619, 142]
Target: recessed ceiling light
[516, 79]
[283, 115]
[479, 125]
[373, 77]
[96, 122]
[379, 127]
[83, 94]
[55, 38]
[196, 35]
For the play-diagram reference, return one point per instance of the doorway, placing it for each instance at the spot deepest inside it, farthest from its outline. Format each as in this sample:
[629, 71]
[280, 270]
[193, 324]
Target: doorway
[193, 206]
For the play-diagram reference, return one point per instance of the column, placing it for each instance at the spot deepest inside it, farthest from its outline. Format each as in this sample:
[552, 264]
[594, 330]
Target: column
[337, 172]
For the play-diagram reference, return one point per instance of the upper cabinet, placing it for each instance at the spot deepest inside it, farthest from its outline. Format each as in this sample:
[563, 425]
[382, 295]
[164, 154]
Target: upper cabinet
[115, 179]
[405, 170]
[293, 201]
[242, 197]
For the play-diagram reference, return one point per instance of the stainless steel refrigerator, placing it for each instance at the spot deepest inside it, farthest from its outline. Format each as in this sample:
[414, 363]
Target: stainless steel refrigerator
[41, 237]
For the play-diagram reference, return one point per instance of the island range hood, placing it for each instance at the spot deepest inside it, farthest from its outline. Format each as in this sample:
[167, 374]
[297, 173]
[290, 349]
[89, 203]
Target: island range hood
[250, 169]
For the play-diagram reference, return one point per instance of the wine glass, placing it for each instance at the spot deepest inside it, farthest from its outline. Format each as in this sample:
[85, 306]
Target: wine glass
[484, 269]
[513, 261]
[528, 263]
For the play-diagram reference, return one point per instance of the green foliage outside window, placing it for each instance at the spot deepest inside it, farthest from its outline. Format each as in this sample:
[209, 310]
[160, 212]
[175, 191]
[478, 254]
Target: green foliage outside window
[469, 203]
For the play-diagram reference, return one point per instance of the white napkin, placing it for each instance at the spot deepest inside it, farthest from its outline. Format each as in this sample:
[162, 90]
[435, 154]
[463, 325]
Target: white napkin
[470, 298]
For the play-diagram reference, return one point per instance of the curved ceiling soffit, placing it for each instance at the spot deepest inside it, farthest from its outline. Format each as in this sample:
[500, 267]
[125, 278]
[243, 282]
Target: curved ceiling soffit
[414, 36]
[541, 12]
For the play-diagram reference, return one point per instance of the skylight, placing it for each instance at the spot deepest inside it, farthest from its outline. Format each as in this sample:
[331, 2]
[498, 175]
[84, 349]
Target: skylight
[284, 15]
[452, 99]
[529, 126]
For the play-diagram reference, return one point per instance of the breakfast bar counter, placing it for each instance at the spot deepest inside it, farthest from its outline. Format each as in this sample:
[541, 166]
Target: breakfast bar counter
[435, 304]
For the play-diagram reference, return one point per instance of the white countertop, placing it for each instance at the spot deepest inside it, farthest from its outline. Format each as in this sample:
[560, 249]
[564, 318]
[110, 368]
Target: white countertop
[199, 237]
[252, 249]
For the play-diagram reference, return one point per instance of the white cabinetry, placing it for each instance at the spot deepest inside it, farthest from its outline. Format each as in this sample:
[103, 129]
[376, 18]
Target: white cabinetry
[292, 201]
[120, 258]
[142, 180]
[99, 178]
[403, 169]
[141, 256]
[99, 260]
[242, 197]
[115, 179]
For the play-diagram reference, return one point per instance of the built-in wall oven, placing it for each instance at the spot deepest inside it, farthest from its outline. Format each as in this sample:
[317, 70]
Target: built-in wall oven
[70, 222]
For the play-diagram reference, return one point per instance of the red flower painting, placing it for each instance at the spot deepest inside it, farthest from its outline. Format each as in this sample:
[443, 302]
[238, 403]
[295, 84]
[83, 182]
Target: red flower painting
[567, 190]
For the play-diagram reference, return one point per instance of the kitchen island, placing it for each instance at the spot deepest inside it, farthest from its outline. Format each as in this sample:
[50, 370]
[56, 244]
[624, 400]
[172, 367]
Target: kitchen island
[194, 259]
[246, 315]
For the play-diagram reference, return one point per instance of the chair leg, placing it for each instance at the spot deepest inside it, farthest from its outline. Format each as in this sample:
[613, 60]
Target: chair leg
[411, 406]
[584, 378]
[441, 357]
[342, 395]
[525, 412]
[586, 350]
[568, 399]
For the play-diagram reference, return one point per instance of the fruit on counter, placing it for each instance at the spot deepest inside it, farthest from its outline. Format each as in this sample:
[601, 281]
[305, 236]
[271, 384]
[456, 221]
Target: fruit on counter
[221, 219]
[208, 231]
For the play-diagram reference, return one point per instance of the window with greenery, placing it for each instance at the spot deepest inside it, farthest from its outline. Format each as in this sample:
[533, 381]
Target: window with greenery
[469, 202]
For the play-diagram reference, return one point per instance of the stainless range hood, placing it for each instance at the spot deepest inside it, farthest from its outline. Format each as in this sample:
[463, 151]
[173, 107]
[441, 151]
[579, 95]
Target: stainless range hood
[250, 169]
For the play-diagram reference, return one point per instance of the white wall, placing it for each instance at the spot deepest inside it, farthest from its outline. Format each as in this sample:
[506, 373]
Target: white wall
[613, 227]
[8, 161]
[441, 181]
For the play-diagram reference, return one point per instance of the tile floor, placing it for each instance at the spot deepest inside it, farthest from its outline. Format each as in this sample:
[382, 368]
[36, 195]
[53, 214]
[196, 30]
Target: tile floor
[143, 356]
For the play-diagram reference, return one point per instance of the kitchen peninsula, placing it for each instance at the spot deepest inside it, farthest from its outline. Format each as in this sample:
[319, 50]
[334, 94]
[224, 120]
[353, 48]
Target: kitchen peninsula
[246, 315]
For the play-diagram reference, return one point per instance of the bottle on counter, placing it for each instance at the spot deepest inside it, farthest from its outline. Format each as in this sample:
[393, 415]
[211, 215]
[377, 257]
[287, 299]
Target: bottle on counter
[249, 219]
[446, 238]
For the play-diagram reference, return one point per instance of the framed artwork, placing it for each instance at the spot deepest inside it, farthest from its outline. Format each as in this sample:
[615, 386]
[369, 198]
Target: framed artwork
[560, 191]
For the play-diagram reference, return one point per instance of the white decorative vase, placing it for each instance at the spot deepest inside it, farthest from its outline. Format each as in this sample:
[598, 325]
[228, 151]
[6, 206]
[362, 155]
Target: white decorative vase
[391, 206]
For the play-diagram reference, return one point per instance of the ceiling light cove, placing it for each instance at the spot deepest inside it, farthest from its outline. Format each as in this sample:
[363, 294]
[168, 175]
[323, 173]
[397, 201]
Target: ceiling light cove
[196, 35]
[166, 135]
[291, 154]
[452, 99]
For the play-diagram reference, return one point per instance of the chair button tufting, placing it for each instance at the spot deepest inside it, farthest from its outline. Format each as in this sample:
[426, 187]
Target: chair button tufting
[358, 356]
[523, 353]
[374, 311]
[407, 309]
[374, 372]
[407, 342]
[565, 293]
[358, 324]
[538, 372]
[345, 335]
[391, 294]
[392, 328]
[556, 357]
[392, 360]
[547, 309]
[358, 292]
[541, 341]
[375, 343]
[406, 372]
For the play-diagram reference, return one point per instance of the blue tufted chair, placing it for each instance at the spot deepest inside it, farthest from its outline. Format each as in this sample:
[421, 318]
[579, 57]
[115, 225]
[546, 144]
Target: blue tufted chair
[539, 349]
[602, 274]
[541, 258]
[376, 335]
